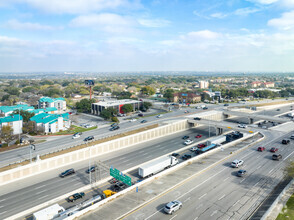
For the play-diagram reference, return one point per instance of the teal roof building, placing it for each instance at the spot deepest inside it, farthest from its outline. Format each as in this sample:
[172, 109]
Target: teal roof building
[48, 102]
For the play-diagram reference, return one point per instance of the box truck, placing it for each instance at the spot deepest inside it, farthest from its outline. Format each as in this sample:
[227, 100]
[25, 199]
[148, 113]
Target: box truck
[48, 213]
[156, 166]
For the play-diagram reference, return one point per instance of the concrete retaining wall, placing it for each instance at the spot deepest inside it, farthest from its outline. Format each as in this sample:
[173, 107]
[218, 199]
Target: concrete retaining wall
[84, 154]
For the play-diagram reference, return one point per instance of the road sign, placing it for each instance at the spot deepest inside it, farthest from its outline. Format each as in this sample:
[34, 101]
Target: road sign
[120, 176]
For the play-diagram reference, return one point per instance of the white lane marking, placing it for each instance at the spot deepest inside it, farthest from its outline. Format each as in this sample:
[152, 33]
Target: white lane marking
[242, 180]
[2, 200]
[40, 187]
[42, 197]
[236, 203]
[196, 218]
[187, 199]
[202, 196]
[288, 155]
[2, 212]
[1, 207]
[226, 178]
[129, 164]
[41, 192]
[212, 214]
[258, 167]
[173, 217]
[258, 157]
[222, 197]
[126, 160]
[256, 184]
[271, 170]
[122, 158]
[145, 154]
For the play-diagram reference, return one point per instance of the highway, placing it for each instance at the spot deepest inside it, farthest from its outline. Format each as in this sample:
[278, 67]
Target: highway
[47, 186]
[218, 193]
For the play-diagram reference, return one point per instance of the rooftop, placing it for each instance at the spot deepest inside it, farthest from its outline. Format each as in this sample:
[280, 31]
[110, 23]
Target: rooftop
[50, 100]
[117, 102]
[10, 118]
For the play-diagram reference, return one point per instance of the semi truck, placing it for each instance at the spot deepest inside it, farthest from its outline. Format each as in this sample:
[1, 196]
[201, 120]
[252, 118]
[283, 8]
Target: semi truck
[49, 212]
[217, 140]
[156, 166]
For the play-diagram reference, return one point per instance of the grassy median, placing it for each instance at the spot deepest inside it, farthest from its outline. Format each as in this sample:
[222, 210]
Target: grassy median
[288, 210]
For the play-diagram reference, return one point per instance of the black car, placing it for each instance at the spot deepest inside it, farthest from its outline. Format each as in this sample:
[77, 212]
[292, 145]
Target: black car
[241, 173]
[185, 137]
[140, 115]
[143, 121]
[205, 108]
[226, 104]
[175, 155]
[114, 128]
[75, 196]
[67, 173]
[285, 141]
[277, 156]
[186, 156]
[197, 118]
[91, 169]
[118, 186]
[89, 138]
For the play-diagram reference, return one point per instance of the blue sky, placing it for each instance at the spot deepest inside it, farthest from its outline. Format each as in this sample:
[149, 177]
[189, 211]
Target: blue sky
[141, 35]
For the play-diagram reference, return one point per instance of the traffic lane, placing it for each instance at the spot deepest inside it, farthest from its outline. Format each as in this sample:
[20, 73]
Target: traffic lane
[214, 183]
[58, 186]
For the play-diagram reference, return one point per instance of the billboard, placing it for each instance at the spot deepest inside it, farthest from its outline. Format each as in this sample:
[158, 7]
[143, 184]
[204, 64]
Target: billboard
[89, 82]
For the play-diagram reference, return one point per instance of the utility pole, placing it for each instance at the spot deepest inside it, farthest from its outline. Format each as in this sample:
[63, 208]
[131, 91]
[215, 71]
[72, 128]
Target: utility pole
[32, 147]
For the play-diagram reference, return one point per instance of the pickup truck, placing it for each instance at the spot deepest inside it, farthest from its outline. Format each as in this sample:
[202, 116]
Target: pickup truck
[75, 196]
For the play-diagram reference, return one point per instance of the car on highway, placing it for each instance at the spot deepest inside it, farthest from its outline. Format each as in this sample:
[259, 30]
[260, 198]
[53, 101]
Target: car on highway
[77, 135]
[188, 142]
[186, 156]
[118, 186]
[292, 136]
[172, 206]
[113, 124]
[89, 138]
[226, 104]
[132, 120]
[158, 116]
[201, 145]
[185, 137]
[67, 172]
[277, 156]
[273, 149]
[197, 118]
[197, 107]
[91, 169]
[285, 141]
[89, 126]
[241, 173]
[143, 121]
[198, 136]
[75, 196]
[242, 126]
[237, 163]
[260, 149]
[114, 128]
[141, 115]
[205, 108]
[176, 155]
[193, 149]
[278, 109]
[186, 111]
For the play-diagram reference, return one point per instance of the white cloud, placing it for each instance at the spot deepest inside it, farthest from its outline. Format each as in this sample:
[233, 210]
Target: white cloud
[204, 34]
[264, 2]
[218, 15]
[15, 24]
[246, 11]
[154, 23]
[73, 6]
[285, 22]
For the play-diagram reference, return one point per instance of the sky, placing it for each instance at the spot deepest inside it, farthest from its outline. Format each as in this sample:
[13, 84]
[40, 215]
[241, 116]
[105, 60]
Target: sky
[146, 35]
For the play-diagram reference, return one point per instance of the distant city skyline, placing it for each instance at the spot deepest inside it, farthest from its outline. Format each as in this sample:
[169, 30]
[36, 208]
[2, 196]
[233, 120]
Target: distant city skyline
[142, 35]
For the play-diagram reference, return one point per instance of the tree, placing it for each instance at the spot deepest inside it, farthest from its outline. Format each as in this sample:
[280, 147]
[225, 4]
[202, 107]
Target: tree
[85, 105]
[146, 106]
[25, 114]
[6, 133]
[169, 94]
[5, 97]
[127, 108]
[108, 113]
[29, 127]
[28, 89]
[12, 91]
[122, 95]
[115, 119]
[148, 90]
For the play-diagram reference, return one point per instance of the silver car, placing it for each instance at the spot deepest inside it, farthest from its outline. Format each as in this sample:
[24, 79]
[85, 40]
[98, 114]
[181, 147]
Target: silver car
[172, 206]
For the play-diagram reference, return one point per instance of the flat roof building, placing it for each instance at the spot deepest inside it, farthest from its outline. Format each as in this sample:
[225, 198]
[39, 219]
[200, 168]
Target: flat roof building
[98, 107]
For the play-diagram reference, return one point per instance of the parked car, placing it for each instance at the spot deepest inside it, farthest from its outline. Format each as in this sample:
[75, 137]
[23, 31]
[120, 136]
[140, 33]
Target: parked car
[89, 138]
[237, 163]
[197, 118]
[277, 156]
[292, 136]
[273, 149]
[143, 121]
[172, 206]
[260, 149]
[188, 142]
[67, 173]
[241, 173]
[75, 196]
[141, 115]
[114, 128]
[186, 156]
[285, 141]
[185, 137]
[201, 145]
[226, 104]
[91, 169]
[198, 136]
[77, 135]
[89, 126]
[175, 155]
[186, 111]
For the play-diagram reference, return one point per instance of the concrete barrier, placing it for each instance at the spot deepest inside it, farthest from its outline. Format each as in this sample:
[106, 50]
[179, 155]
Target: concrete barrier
[92, 151]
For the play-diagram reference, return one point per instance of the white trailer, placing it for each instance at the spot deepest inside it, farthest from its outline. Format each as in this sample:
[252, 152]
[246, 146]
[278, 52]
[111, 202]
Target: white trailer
[156, 166]
[291, 114]
[48, 213]
[217, 140]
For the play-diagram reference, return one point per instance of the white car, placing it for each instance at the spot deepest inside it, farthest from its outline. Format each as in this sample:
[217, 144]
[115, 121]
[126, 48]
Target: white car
[76, 135]
[133, 119]
[237, 163]
[172, 207]
[193, 149]
[158, 116]
[242, 126]
[188, 142]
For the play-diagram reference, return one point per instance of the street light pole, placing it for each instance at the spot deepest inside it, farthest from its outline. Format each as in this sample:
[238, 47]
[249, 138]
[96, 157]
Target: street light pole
[32, 147]
[90, 180]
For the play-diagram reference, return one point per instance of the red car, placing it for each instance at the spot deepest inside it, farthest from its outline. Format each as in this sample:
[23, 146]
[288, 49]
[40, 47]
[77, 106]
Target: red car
[198, 136]
[260, 149]
[201, 145]
[273, 149]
